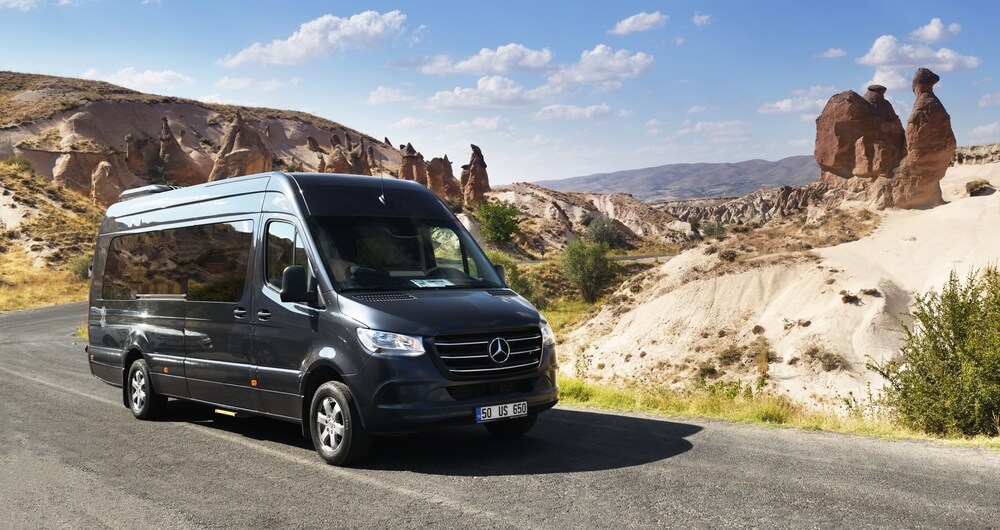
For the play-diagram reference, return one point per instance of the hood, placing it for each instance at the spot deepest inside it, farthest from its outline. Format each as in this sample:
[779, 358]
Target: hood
[428, 313]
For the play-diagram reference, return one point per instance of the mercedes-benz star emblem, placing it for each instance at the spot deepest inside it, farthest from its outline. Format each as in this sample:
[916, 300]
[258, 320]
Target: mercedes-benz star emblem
[499, 350]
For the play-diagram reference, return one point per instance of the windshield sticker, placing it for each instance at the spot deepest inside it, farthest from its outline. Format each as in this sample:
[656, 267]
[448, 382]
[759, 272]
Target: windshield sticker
[430, 284]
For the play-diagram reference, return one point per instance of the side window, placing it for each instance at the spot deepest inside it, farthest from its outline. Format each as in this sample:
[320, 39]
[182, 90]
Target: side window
[215, 257]
[285, 247]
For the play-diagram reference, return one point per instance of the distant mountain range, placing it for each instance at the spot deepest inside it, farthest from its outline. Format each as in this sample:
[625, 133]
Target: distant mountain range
[691, 181]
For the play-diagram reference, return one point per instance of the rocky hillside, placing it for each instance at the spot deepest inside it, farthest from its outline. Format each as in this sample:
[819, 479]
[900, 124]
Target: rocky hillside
[549, 219]
[688, 181]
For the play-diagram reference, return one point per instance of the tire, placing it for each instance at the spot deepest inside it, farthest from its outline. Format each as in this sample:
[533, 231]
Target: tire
[143, 401]
[335, 426]
[511, 428]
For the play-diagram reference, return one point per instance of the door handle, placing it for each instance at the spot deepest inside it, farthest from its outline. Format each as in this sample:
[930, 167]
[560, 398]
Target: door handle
[240, 312]
[263, 314]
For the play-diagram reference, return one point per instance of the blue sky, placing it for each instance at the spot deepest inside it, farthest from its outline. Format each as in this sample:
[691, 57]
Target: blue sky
[547, 89]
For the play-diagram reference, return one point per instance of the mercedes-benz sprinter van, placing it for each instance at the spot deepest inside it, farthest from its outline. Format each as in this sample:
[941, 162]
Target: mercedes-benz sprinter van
[351, 305]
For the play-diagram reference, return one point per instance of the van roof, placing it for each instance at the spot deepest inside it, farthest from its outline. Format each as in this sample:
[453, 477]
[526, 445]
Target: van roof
[321, 193]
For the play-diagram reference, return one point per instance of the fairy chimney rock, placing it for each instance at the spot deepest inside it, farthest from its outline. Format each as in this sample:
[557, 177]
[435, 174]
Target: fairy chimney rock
[243, 152]
[177, 165]
[475, 180]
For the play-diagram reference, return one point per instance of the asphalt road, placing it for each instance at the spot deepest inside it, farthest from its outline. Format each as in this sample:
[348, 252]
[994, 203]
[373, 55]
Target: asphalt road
[71, 455]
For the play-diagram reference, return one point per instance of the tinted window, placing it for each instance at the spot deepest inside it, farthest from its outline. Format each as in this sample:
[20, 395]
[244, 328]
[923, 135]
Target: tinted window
[285, 248]
[205, 263]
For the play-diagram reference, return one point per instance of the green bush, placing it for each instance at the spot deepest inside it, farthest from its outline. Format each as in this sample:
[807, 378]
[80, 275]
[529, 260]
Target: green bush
[716, 229]
[586, 266]
[948, 380]
[523, 285]
[80, 266]
[497, 220]
[604, 230]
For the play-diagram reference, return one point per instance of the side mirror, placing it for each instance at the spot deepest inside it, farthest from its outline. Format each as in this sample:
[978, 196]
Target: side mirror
[295, 288]
[500, 272]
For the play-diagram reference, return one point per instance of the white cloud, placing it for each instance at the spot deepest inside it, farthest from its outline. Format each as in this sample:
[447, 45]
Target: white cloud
[653, 127]
[806, 102]
[322, 35]
[270, 85]
[410, 123]
[894, 61]
[936, 31]
[494, 124]
[20, 5]
[602, 67]
[511, 57]
[234, 83]
[887, 53]
[697, 109]
[831, 53]
[149, 79]
[988, 130]
[700, 19]
[90, 73]
[679, 41]
[382, 95]
[571, 112]
[491, 92]
[624, 113]
[642, 22]
[717, 131]
[417, 35]
[989, 100]
[535, 141]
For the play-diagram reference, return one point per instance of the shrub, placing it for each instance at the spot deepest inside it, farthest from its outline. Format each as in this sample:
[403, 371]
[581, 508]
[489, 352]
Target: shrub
[714, 229]
[80, 266]
[497, 220]
[728, 255]
[587, 267]
[978, 187]
[695, 223]
[604, 230]
[18, 163]
[948, 379]
[523, 285]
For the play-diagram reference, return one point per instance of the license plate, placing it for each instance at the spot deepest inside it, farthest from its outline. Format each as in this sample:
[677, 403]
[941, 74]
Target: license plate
[499, 412]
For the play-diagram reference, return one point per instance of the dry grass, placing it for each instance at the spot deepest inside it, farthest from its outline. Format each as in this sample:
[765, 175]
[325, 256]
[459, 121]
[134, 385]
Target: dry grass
[744, 404]
[23, 286]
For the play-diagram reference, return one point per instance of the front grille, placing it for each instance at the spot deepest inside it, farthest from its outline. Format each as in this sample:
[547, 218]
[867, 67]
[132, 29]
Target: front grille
[384, 297]
[468, 355]
[498, 388]
[501, 292]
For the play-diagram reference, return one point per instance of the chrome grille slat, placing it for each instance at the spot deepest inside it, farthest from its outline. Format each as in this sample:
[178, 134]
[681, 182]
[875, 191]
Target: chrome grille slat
[466, 356]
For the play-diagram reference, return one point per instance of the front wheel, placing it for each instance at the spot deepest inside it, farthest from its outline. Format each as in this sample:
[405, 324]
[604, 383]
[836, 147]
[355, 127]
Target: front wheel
[144, 402]
[511, 428]
[337, 433]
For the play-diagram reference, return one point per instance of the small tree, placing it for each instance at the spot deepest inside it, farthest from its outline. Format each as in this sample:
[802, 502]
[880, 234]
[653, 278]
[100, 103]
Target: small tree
[948, 380]
[604, 230]
[586, 266]
[497, 220]
[521, 284]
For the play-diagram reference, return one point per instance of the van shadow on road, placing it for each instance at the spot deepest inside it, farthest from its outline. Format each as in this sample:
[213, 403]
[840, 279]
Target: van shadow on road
[562, 441]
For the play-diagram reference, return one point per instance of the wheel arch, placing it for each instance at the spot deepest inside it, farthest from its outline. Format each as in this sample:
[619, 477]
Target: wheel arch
[316, 376]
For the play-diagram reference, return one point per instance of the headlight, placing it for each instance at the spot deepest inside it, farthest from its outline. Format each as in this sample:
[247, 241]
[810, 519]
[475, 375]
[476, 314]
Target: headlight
[390, 344]
[548, 337]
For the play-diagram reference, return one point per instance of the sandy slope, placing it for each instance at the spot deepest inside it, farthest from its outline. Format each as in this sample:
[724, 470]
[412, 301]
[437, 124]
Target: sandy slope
[670, 328]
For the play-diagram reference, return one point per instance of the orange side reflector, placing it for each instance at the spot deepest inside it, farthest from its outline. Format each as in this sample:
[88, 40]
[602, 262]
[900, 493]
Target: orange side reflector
[253, 382]
[91, 357]
[166, 370]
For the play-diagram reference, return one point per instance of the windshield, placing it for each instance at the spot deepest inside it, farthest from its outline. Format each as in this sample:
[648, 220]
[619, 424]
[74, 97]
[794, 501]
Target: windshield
[398, 253]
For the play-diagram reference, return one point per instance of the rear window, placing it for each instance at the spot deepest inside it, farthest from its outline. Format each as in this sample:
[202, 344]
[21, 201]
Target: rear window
[204, 263]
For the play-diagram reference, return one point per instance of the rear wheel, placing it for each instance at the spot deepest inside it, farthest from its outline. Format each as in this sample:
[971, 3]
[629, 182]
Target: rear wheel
[335, 426]
[144, 402]
[511, 428]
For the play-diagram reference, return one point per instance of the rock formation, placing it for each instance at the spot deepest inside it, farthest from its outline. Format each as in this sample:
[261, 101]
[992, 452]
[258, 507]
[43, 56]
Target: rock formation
[475, 180]
[413, 167]
[441, 179]
[930, 147]
[977, 154]
[109, 179]
[865, 155]
[321, 166]
[759, 206]
[141, 155]
[243, 152]
[176, 165]
[313, 145]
